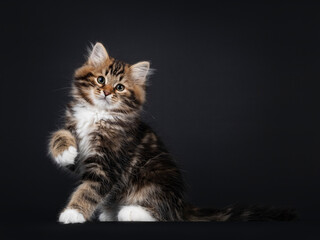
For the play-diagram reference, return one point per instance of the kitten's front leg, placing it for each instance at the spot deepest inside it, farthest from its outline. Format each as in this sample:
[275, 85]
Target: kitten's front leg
[97, 180]
[83, 203]
[63, 148]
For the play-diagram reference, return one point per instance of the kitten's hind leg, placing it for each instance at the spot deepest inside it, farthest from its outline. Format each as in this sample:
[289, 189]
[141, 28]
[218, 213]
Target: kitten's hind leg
[108, 213]
[133, 213]
[105, 216]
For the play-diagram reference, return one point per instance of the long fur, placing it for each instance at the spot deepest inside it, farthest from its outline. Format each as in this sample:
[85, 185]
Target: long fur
[126, 172]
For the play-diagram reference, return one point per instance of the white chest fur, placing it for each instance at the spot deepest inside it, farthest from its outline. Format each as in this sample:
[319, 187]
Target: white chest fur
[87, 121]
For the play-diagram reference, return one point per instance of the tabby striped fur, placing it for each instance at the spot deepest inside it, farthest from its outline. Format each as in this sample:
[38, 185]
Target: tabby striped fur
[126, 172]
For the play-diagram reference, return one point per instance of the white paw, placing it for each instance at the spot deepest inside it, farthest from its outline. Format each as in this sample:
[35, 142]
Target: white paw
[134, 213]
[71, 216]
[67, 157]
[105, 217]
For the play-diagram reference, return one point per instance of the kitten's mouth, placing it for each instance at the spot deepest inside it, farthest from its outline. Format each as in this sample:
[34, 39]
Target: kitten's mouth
[107, 98]
[104, 97]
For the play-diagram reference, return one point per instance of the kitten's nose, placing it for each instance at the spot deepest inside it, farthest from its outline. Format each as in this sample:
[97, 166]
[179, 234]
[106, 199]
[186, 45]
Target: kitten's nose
[107, 90]
[106, 93]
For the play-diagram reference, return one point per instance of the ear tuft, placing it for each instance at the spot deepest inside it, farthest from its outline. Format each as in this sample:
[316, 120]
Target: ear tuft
[140, 71]
[98, 55]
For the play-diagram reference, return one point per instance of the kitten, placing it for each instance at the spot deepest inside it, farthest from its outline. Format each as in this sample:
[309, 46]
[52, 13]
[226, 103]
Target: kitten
[126, 172]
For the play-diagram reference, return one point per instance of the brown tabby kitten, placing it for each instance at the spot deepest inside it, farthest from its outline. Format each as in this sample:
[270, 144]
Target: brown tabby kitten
[126, 172]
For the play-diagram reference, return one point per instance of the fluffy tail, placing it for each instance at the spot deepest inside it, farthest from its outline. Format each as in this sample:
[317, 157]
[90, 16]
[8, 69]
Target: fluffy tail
[239, 213]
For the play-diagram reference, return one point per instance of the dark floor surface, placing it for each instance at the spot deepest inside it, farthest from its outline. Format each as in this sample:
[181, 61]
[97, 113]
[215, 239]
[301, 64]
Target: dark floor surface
[252, 230]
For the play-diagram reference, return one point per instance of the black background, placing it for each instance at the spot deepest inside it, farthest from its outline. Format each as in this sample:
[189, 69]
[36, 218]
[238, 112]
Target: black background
[234, 97]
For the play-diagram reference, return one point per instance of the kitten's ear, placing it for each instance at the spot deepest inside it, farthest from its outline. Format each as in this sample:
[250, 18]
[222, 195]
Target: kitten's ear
[98, 55]
[140, 71]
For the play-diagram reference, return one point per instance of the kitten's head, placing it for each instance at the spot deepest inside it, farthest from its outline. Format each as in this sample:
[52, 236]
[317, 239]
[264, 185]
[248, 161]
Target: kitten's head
[107, 83]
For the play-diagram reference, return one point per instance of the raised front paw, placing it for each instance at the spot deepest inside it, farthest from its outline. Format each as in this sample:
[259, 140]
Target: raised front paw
[71, 216]
[67, 157]
[63, 147]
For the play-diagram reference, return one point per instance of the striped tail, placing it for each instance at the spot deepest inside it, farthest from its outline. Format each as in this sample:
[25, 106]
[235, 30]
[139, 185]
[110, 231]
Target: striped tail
[239, 213]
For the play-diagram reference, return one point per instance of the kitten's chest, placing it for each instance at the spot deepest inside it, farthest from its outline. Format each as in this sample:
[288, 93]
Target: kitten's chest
[93, 128]
[89, 120]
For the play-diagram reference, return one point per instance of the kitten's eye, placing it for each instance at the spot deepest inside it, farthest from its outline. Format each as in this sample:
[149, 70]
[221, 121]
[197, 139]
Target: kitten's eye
[119, 87]
[101, 80]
